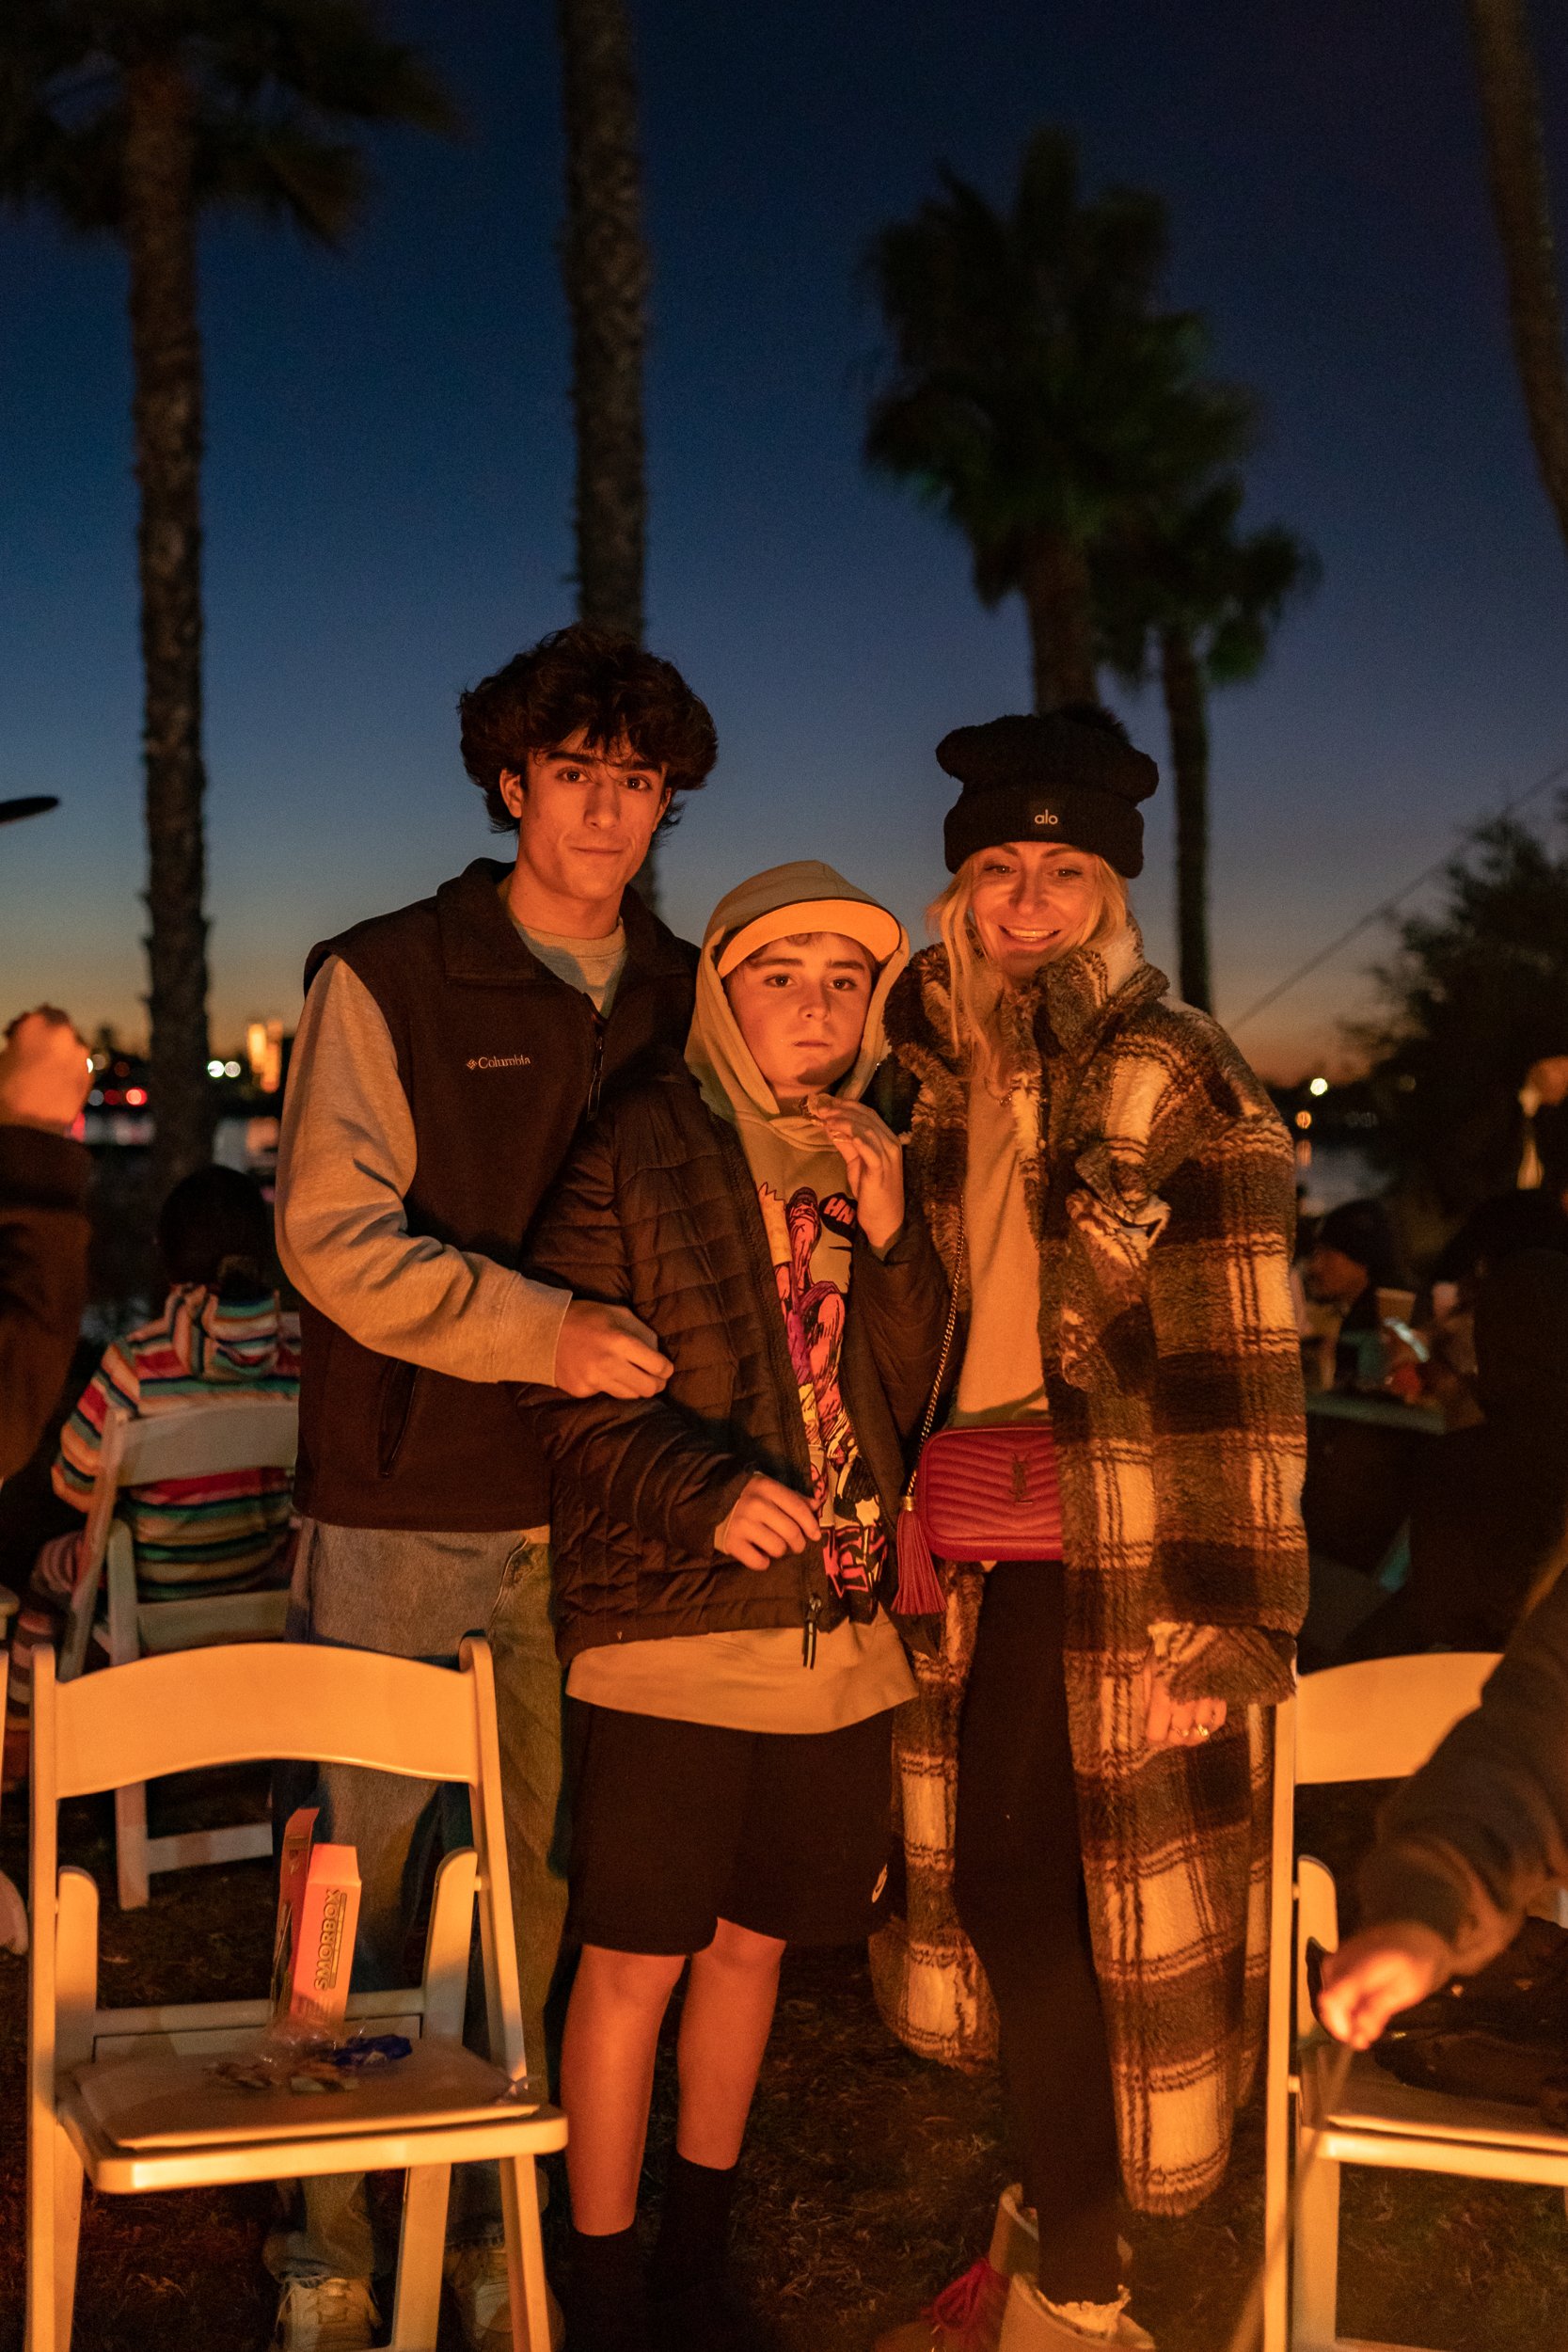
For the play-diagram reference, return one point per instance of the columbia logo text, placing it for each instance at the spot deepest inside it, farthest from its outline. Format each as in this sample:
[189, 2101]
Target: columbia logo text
[499, 1061]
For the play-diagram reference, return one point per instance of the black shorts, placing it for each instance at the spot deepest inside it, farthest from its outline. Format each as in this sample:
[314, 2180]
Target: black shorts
[678, 1825]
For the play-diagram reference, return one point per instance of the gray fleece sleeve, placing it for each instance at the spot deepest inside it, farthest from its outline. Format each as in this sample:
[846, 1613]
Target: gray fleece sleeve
[345, 1161]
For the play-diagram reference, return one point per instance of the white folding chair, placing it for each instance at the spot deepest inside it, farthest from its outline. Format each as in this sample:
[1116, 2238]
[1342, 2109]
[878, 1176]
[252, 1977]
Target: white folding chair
[125, 2098]
[1375, 1721]
[239, 1433]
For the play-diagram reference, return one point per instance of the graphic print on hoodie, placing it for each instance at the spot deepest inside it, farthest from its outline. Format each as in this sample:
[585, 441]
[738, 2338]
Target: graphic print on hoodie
[807, 1209]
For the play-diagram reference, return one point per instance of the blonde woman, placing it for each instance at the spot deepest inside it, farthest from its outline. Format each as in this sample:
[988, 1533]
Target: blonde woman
[1084, 1772]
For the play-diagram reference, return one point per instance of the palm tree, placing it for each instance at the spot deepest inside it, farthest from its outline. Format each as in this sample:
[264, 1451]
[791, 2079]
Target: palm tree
[1510, 109]
[131, 119]
[1032, 392]
[1183, 591]
[604, 266]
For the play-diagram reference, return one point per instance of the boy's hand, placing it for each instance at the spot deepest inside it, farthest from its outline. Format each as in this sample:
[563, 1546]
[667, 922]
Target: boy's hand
[605, 1351]
[767, 1521]
[45, 1071]
[874, 1159]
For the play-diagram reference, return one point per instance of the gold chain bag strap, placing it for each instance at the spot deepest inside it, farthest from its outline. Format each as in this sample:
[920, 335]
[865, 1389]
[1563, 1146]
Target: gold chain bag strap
[985, 1493]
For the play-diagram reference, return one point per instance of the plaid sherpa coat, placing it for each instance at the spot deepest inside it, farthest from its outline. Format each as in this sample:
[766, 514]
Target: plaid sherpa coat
[1160, 1184]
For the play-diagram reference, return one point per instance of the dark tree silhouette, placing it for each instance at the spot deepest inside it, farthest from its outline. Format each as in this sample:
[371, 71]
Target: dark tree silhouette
[1183, 593]
[605, 264]
[1032, 392]
[133, 119]
[1475, 994]
[1516, 164]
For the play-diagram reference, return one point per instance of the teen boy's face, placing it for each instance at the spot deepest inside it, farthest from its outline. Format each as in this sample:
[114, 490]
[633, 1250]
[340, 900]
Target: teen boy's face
[585, 817]
[801, 1005]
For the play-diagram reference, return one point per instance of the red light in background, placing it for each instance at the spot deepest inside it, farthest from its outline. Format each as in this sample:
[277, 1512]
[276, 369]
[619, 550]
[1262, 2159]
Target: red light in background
[135, 1096]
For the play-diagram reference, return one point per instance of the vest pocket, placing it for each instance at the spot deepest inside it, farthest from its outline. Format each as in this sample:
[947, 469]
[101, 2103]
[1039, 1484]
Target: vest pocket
[397, 1401]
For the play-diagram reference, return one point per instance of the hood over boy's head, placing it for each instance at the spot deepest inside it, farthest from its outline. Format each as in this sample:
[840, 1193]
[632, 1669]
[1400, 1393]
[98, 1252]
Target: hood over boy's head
[796, 968]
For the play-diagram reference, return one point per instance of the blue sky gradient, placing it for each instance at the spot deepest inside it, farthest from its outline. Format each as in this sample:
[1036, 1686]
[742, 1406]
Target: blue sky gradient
[389, 479]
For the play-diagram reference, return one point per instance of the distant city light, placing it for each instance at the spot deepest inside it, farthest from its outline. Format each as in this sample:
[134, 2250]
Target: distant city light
[135, 1096]
[230, 1068]
[1304, 1118]
[264, 1044]
[216, 1069]
[1318, 1085]
[95, 1096]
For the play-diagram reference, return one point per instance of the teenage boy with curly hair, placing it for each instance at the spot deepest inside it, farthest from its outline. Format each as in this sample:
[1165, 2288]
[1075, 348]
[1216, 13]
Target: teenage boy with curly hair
[446, 1055]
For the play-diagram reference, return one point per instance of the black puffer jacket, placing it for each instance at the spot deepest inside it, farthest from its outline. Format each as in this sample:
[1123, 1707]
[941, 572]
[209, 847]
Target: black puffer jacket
[657, 1211]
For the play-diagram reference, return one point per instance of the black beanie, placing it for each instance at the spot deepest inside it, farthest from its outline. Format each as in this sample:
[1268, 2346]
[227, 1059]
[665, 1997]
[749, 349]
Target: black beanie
[1067, 777]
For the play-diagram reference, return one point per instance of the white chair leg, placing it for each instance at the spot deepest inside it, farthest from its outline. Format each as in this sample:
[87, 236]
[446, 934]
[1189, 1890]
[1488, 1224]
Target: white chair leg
[417, 2311]
[131, 1846]
[1315, 2283]
[525, 2256]
[1276, 2222]
[53, 2225]
[68, 2232]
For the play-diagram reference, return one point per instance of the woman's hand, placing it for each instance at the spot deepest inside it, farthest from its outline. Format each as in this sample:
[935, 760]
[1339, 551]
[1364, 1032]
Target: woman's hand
[1378, 1973]
[767, 1520]
[1176, 1722]
[874, 1159]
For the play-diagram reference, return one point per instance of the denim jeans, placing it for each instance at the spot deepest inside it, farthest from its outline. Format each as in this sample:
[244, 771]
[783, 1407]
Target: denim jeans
[415, 1595]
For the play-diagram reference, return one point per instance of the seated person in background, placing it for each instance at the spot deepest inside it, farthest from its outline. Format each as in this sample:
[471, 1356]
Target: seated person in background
[724, 1563]
[1495, 1230]
[1467, 1844]
[220, 1333]
[1489, 1514]
[1356, 1255]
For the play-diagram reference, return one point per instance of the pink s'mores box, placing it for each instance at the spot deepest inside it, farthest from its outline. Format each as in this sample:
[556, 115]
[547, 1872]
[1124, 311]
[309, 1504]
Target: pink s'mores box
[318, 1911]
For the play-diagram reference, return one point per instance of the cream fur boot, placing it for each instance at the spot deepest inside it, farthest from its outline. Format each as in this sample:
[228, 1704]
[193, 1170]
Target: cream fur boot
[1030, 2324]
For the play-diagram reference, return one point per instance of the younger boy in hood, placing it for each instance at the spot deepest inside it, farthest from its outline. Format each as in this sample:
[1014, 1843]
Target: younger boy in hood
[724, 1562]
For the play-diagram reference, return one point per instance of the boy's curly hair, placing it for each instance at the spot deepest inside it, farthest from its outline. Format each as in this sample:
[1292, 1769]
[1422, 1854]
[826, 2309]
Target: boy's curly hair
[590, 679]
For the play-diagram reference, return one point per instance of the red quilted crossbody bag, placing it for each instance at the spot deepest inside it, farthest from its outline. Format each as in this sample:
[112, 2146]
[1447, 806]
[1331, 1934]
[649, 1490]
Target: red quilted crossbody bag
[989, 1493]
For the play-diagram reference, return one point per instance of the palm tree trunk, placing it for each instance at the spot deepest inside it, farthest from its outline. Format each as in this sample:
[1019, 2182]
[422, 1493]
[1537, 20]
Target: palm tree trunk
[160, 230]
[1511, 108]
[1188, 719]
[1056, 582]
[605, 264]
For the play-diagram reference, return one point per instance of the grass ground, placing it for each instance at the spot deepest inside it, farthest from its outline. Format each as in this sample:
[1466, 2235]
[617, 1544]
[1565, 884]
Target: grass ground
[870, 2177]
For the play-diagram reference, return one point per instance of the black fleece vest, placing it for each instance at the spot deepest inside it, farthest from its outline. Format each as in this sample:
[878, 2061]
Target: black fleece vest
[500, 1062]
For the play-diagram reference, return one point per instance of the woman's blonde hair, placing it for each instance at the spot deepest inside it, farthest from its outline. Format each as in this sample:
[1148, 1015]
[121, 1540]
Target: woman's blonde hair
[976, 989]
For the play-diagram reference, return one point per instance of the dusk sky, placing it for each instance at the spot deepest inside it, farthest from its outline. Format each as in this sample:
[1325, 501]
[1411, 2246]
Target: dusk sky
[388, 484]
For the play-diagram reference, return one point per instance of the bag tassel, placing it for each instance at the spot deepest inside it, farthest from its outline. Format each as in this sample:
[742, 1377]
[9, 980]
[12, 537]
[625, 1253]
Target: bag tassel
[919, 1592]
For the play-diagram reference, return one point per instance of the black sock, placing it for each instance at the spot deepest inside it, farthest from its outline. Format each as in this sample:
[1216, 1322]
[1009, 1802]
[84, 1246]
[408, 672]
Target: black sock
[694, 2234]
[605, 2272]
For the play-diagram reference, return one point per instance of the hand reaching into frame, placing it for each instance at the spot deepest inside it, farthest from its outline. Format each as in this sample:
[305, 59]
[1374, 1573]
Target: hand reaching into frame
[45, 1071]
[1377, 1973]
[874, 1159]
